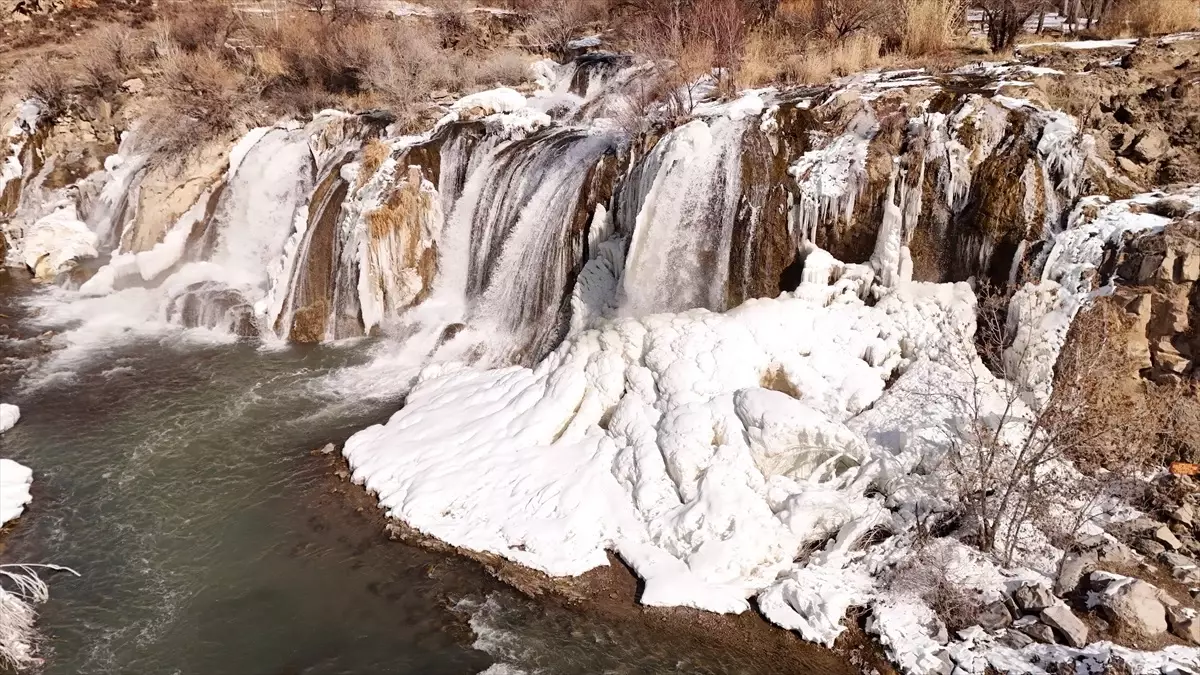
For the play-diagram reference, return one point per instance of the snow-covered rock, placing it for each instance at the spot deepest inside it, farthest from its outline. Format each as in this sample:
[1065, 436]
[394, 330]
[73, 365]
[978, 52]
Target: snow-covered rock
[9, 416]
[56, 241]
[1132, 603]
[667, 439]
[15, 481]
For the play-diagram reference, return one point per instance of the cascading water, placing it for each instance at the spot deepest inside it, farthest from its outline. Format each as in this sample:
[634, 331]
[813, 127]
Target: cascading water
[491, 220]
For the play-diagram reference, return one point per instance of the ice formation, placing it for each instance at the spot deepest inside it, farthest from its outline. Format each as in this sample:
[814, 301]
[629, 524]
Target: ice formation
[14, 478]
[9, 416]
[654, 437]
[58, 240]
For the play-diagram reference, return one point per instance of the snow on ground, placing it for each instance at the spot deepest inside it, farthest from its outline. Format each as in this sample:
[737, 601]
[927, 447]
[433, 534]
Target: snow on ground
[1096, 223]
[14, 478]
[1083, 44]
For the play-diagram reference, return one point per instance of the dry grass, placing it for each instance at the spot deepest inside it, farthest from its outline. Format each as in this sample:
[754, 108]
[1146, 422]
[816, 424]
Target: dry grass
[374, 153]
[1157, 17]
[106, 57]
[929, 25]
[770, 59]
[842, 57]
[46, 82]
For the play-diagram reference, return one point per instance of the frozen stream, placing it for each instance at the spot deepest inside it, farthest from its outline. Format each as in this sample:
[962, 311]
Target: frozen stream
[178, 479]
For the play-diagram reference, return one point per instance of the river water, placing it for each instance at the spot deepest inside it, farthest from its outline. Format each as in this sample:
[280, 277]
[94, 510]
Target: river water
[178, 477]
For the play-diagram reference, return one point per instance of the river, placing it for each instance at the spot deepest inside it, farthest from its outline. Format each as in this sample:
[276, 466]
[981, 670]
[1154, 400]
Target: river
[178, 477]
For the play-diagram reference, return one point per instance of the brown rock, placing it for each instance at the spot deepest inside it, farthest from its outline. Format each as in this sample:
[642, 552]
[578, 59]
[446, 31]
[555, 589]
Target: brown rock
[1150, 146]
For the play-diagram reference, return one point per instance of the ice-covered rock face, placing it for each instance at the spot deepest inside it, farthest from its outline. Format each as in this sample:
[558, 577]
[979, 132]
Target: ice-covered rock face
[706, 449]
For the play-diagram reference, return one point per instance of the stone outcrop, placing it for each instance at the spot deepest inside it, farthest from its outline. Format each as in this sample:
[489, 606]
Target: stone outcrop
[1156, 275]
[1132, 603]
[1062, 619]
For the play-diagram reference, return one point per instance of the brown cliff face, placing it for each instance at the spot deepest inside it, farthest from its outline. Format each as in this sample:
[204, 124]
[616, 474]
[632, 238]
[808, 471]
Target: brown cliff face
[1156, 276]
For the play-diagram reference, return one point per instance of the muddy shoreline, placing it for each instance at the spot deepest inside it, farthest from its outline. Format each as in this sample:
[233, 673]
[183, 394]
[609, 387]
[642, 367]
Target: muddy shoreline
[611, 593]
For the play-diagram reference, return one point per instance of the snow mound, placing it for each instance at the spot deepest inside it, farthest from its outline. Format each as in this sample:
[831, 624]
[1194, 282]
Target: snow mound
[55, 241]
[9, 415]
[14, 489]
[707, 450]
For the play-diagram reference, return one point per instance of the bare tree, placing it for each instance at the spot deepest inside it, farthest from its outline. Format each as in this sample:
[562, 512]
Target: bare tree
[1004, 20]
[1010, 452]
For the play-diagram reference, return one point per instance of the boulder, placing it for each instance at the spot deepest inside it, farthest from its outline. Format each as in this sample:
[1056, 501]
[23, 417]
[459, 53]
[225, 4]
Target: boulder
[1150, 146]
[1127, 165]
[1167, 538]
[1063, 620]
[1185, 514]
[1177, 561]
[1130, 602]
[1033, 598]
[1015, 639]
[1185, 624]
[1149, 547]
[995, 616]
[1040, 632]
[133, 86]
[1071, 571]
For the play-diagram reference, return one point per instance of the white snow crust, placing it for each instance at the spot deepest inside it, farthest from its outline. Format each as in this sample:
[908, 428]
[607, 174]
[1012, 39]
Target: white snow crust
[15, 480]
[9, 416]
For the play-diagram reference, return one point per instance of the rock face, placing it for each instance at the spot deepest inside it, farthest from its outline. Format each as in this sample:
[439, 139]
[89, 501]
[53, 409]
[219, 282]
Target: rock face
[1156, 275]
[1132, 603]
[1185, 624]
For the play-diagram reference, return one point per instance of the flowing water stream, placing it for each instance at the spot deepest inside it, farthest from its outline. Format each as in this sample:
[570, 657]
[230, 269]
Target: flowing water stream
[177, 477]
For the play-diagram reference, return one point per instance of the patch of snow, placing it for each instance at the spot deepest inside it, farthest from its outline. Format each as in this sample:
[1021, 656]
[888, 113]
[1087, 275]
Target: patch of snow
[501, 100]
[585, 42]
[57, 240]
[9, 416]
[15, 481]
[1083, 44]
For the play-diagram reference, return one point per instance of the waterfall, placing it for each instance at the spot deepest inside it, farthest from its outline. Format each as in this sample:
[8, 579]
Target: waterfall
[516, 220]
[516, 239]
[679, 251]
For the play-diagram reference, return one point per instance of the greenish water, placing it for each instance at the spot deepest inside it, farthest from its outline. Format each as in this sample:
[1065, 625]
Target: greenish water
[178, 479]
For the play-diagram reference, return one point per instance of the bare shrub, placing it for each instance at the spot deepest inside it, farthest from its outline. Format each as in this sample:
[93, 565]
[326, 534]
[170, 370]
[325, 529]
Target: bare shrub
[105, 58]
[843, 17]
[21, 589]
[202, 86]
[503, 67]
[929, 25]
[555, 24]
[1004, 20]
[1008, 448]
[47, 83]
[200, 24]
[931, 575]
